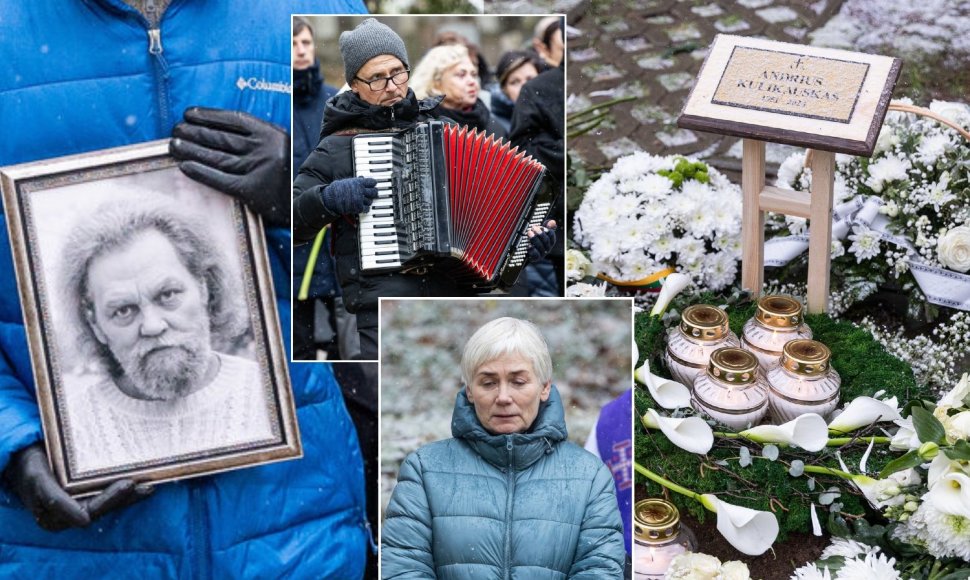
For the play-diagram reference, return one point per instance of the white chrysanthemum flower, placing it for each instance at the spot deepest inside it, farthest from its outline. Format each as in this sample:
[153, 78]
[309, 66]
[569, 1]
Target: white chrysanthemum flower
[796, 225]
[586, 290]
[865, 243]
[699, 222]
[680, 205]
[811, 572]
[662, 247]
[690, 249]
[943, 535]
[719, 270]
[789, 170]
[838, 250]
[932, 148]
[886, 140]
[847, 548]
[939, 193]
[874, 566]
[887, 170]
[654, 186]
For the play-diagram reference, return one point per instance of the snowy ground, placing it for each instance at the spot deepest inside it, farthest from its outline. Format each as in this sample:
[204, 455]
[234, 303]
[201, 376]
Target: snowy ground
[421, 342]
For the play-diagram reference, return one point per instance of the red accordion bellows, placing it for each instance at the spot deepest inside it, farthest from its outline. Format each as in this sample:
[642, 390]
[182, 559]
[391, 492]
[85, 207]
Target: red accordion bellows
[490, 186]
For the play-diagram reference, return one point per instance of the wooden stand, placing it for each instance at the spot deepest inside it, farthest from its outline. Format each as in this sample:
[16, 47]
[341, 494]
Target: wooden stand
[817, 207]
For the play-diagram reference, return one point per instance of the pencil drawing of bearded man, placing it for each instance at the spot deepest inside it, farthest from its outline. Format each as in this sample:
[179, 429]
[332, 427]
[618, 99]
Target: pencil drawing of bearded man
[155, 308]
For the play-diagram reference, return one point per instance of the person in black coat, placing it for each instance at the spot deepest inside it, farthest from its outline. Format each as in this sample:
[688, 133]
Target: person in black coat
[376, 69]
[310, 96]
[538, 127]
[448, 71]
[515, 68]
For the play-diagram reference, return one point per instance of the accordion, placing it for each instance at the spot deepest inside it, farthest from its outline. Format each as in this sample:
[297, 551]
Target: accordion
[450, 197]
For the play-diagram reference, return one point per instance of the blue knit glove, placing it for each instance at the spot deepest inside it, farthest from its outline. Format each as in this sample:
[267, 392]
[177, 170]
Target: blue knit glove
[541, 240]
[349, 196]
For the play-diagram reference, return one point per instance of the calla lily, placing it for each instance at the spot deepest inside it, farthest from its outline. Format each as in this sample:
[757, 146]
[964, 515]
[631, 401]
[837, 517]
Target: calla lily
[690, 434]
[807, 431]
[668, 394]
[863, 411]
[951, 494]
[673, 285]
[750, 531]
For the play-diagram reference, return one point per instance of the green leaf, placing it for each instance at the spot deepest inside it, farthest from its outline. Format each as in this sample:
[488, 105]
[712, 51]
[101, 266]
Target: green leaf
[958, 575]
[928, 428]
[833, 563]
[959, 451]
[910, 459]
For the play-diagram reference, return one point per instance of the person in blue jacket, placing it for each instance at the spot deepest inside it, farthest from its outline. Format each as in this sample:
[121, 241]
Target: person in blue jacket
[508, 496]
[83, 75]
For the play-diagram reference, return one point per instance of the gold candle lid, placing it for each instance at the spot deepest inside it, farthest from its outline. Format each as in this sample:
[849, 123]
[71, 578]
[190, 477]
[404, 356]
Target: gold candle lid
[733, 365]
[806, 357]
[655, 520]
[777, 311]
[704, 322]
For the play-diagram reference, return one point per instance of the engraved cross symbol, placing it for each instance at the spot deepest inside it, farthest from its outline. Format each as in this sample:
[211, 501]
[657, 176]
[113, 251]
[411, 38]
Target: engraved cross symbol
[798, 63]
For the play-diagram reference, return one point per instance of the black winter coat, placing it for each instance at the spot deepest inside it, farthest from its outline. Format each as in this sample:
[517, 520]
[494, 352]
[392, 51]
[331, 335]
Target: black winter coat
[347, 115]
[538, 127]
[478, 117]
[310, 96]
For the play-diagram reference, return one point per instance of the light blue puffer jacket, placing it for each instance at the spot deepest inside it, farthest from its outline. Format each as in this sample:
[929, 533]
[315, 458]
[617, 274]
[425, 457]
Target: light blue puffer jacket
[523, 506]
[75, 76]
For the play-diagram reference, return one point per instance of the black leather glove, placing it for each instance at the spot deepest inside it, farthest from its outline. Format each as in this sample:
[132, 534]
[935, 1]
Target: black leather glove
[349, 196]
[239, 155]
[29, 474]
[541, 240]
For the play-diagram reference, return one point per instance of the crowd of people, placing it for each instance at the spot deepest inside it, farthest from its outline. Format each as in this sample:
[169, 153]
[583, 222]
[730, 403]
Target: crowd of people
[520, 101]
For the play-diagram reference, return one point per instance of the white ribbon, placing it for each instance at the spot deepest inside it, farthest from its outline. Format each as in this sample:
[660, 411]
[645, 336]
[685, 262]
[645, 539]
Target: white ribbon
[941, 286]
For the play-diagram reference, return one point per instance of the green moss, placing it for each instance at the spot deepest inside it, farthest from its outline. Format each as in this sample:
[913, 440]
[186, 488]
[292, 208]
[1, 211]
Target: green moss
[765, 485]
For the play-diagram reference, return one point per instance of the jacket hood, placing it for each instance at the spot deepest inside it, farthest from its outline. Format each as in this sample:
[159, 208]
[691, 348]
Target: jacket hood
[347, 110]
[516, 450]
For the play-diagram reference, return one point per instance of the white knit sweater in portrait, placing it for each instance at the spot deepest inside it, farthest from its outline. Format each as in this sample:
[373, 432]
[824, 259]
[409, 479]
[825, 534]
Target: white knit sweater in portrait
[109, 429]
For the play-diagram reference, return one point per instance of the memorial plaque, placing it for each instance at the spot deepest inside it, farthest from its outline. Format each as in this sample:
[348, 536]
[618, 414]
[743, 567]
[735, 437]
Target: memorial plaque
[822, 98]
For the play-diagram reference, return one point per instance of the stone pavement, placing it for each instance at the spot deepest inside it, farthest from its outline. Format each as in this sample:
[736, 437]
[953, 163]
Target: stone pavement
[653, 50]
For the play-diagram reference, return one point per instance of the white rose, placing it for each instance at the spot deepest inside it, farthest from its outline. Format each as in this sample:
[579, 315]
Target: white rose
[734, 570]
[953, 249]
[956, 112]
[957, 427]
[694, 566]
[577, 265]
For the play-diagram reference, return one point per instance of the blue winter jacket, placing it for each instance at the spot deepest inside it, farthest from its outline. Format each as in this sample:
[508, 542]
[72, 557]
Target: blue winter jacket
[522, 506]
[80, 75]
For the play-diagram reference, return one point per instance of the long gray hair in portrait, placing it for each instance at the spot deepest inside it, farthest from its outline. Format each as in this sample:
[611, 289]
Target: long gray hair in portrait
[111, 227]
[503, 336]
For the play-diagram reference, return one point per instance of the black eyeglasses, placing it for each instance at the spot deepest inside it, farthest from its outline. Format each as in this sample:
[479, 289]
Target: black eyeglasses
[381, 83]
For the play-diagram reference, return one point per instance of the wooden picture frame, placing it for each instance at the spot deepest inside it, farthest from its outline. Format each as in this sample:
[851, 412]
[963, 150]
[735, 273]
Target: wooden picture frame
[151, 320]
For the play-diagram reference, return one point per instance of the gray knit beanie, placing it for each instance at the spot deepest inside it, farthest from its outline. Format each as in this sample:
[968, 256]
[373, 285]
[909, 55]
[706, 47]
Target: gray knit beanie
[369, 39]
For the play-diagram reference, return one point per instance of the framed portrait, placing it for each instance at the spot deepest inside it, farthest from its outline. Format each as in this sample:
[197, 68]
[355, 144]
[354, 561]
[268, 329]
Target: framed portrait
[151, 320]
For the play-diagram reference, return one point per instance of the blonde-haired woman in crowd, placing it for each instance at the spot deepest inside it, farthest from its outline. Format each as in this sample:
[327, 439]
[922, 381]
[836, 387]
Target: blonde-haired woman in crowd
[448, 71]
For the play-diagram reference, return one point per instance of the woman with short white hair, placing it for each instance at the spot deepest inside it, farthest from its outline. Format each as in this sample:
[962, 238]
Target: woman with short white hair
[448, 71]
[508, 496]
